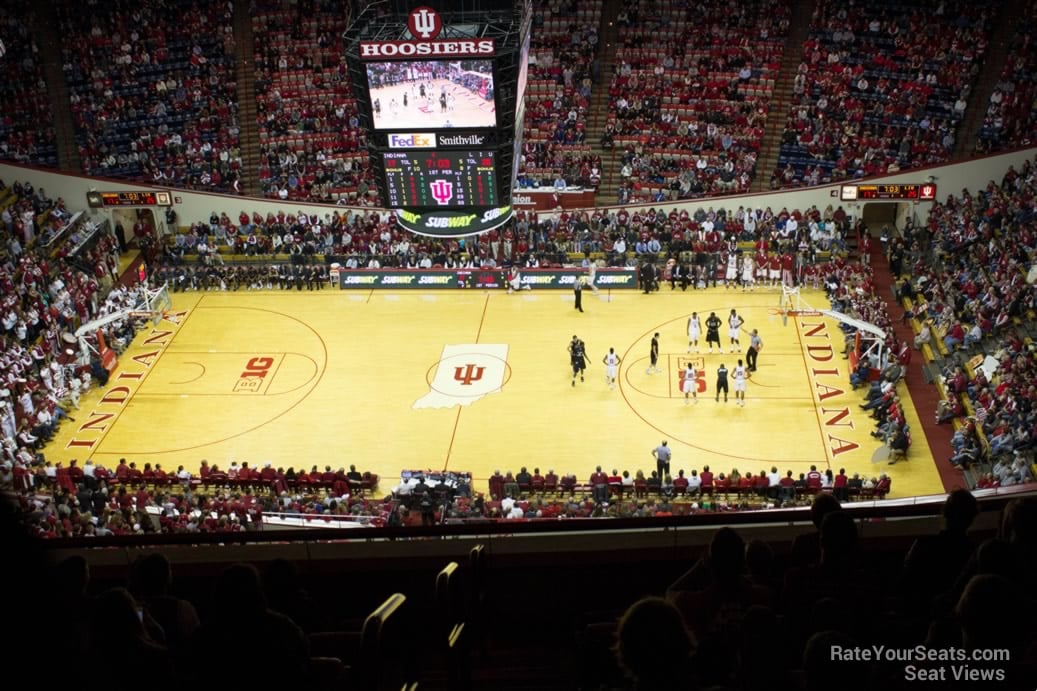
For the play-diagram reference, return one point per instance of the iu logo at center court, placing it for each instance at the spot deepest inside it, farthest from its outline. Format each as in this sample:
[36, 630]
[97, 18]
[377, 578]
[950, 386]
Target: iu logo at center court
[424, 23]
[466, 373]
[442, 191]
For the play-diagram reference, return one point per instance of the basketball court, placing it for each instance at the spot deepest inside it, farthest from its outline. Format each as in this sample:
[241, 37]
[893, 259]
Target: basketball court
[478, 381]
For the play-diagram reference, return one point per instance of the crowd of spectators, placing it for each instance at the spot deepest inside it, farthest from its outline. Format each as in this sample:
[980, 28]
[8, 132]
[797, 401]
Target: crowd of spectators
[310, 141]
[793, 611]
[699, 240]
[624, 494]
[789, 606]
[882, 88]
[26, 116]
[44, 297]
[91, 500]
[1011, 117]
[974, 294]
[563, 68]
[153, 90]
[355, 239]
[689, 100]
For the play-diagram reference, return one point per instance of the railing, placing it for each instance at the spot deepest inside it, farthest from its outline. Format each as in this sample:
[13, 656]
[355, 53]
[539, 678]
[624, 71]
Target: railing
[909, 507]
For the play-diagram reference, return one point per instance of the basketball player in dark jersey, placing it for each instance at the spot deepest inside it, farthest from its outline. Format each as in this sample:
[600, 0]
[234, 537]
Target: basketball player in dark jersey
[713, 332]
[577, 357]
[721, 382]
[654, 356]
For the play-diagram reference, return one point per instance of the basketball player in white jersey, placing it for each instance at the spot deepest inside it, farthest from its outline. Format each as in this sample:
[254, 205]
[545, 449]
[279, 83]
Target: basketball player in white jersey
[734, 324]
[747, 273]
[515, 281]
[731, 278]
[694, 331]
[611, 367]
[592, 275]
[740, 374]
[689, 384]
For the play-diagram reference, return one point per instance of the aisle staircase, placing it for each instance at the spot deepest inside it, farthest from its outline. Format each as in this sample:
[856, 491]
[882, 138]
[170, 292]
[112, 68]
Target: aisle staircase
[1002, 34]
[781, 99]
[48, 39]
[246, 78]
[599, 106]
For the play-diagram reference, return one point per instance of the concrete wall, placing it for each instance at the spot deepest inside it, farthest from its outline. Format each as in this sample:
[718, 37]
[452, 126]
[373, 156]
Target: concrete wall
[194, 206]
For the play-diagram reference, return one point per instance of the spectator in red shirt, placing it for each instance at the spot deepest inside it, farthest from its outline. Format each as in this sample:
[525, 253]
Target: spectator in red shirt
[813, 479]
[599, 482]
[839, 486]
[707, 480]
[788, 487]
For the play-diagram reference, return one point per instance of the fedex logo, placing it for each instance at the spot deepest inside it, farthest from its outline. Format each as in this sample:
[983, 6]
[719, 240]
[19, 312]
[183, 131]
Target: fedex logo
[412, 141]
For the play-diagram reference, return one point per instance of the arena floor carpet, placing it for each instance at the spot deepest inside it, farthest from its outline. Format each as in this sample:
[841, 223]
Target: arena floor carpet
[477, 381]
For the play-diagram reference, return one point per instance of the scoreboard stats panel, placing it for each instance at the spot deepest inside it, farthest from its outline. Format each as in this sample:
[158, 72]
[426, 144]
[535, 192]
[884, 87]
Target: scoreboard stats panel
[440, 179]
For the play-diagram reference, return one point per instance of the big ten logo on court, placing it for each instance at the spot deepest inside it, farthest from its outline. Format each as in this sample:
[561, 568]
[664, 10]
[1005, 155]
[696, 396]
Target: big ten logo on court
[700, 372]
[254, 375]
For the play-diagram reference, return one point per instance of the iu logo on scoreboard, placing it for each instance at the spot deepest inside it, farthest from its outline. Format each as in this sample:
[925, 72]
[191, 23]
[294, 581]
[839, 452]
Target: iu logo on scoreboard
[424, 23]
[442, 191]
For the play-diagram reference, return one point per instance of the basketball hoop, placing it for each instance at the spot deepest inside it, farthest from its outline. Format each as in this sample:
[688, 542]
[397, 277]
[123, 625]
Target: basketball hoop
[780, 312]
[785, 313]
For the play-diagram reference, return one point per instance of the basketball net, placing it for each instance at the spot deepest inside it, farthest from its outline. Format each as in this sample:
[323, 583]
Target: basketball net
[792, 304]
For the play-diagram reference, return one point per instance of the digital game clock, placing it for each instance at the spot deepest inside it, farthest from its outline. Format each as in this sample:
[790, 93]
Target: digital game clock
[912, 192]
[133, 198]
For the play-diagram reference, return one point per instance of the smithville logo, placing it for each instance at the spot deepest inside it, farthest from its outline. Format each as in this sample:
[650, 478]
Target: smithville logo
[412, 141]
[424, 23]
[442, 191]
[462, 140]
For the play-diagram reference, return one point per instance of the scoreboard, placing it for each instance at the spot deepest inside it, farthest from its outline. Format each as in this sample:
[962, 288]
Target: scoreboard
[912, 192]
[439, 90]
[438, 179]
[132, 198]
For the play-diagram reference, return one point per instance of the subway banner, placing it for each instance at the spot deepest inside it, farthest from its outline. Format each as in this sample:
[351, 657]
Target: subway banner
[493, 279]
